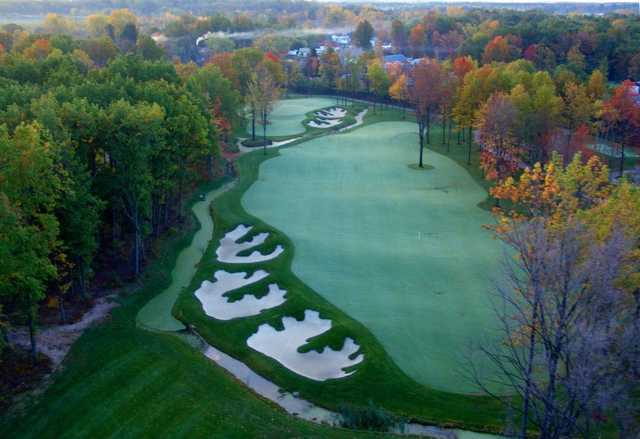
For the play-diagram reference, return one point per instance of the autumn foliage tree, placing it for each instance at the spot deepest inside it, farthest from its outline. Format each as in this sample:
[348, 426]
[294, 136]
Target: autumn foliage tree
[554, 191]
[399, 90]
[398, 35]
[425, 93]
[476, 88]
[363, 34]
[29, 189]
[378, 79]
[621, 114]
[501, 49]
[462, 65]
[262, 95]
[500, 156]
[577, 268]
[417, 39]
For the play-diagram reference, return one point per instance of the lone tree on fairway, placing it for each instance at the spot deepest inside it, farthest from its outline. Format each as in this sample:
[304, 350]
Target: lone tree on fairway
[263, 93]
[425, 94]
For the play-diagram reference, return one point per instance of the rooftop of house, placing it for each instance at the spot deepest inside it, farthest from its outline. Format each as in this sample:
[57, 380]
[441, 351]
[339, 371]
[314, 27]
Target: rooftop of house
[398, 57]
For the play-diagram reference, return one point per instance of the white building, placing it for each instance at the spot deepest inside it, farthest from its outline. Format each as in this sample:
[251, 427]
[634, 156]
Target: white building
[341, 39]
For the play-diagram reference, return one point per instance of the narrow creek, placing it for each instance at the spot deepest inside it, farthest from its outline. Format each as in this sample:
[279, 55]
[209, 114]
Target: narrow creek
[156, 316]
[303, 409]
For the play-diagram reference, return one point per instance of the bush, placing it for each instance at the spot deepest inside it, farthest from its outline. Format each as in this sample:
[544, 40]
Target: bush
[371, 418]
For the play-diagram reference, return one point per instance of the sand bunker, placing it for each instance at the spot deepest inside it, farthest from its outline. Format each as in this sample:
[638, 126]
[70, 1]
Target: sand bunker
[216, 305]
[332, 113]
[229, 247]
[320, 123]
[283, 347]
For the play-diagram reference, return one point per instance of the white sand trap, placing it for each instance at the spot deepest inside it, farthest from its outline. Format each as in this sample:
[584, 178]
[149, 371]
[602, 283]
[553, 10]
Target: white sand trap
[283, 347]
[325, 124]
[332, 113]
[216, 305]
[229, 247]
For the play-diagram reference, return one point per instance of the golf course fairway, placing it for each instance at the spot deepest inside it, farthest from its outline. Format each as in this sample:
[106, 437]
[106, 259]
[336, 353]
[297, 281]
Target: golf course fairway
[401, 250]
[288, 114]
[156, 314]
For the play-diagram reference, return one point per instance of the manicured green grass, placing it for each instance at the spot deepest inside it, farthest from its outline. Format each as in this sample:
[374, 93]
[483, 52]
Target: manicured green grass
[292, 116]
[401, 250]
[120, 381]
[288, 116]
[377, 379]
[156, 314]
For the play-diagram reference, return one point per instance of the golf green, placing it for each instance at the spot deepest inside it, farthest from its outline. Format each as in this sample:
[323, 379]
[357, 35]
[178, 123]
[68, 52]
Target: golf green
[288, 114]
[401, 250]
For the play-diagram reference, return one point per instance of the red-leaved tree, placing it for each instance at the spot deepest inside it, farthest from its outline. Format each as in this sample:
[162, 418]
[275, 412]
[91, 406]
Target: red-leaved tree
[621, 114]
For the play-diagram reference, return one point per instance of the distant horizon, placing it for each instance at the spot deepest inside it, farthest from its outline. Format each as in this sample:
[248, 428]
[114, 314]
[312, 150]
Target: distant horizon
[531, 2]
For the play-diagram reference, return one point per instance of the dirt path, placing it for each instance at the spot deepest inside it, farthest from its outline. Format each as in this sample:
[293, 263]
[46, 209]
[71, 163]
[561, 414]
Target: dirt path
[55, 341]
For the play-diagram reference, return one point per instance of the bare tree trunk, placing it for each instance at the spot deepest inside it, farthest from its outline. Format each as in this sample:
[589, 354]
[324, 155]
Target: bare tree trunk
[264, 132]
[449, 136]
[32, 329]
[529, 370]
[61, 310]
[421, 136]
[137, 238]
[253, 124]
[210, 165]
[429, 125]
[469, 146]
[114, 225]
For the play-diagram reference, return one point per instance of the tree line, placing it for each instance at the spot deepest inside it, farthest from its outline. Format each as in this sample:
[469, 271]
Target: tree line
[98, 155]
[518, 112]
